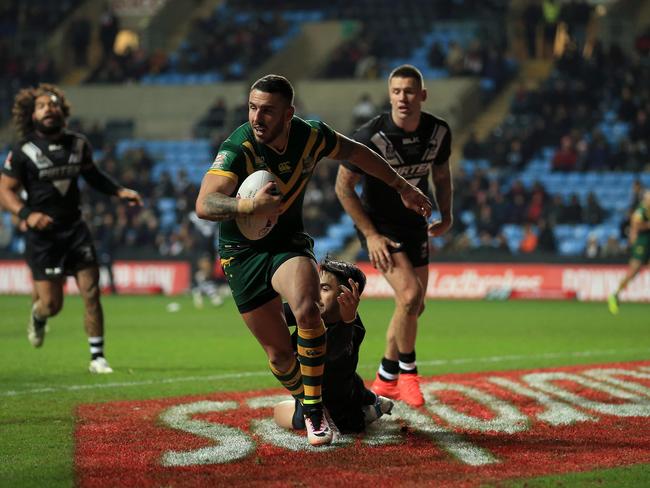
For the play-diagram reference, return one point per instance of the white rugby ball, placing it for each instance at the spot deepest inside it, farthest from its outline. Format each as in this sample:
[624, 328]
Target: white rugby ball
[255, 227]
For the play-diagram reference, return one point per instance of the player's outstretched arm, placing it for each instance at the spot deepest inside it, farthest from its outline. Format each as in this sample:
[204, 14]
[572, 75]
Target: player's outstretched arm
[372, 163]
[378, 245]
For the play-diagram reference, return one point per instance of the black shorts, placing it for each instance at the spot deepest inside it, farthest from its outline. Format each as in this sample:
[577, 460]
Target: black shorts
[414, 243]
[55, 253]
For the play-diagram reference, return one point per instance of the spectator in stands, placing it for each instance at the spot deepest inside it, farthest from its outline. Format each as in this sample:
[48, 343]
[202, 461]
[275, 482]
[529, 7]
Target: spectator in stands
[551, 12]
[364, 110]
[213, 120]
[165, 186]
[554, 210]
[546, 237]
[612, 248]
[529, 240]
[640, 129]
[104, 238]
[517, 209]
[535, 207]
[576, 14]
[472, 149]
[436, 56]
[627, 107]
[572, 211]
[592, 248]
[532, 18]
[485, 222]
[642, 42]
[80, 29]
[565, 157]
[514, 158]
[592, 213]
[473, 60]
[598, 155]
[637, 192]
[109, 26]
[455, 59]
[498, 203]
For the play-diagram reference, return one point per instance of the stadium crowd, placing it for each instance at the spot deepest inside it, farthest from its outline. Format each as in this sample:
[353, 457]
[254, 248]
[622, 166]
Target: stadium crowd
[574, 113]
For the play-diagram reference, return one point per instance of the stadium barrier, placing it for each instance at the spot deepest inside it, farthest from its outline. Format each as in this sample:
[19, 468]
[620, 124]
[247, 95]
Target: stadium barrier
[446, 280]
[520, 281]
[130, 277]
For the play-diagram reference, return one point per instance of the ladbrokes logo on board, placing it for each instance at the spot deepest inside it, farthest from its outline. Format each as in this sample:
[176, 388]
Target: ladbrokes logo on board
[473, 429]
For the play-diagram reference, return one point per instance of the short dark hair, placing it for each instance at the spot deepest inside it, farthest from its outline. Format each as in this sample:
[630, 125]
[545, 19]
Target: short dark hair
[275, 84]
[407, 71]
[343, 271]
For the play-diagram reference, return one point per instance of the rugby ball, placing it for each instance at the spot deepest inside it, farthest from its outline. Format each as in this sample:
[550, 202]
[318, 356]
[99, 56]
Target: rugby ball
[255, 227]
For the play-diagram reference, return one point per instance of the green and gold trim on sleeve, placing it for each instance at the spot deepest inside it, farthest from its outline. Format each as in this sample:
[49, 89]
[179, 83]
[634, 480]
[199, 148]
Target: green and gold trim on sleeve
[227, 174]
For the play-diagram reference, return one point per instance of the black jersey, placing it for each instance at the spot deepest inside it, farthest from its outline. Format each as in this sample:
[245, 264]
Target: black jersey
[48, 171]
[411, 154]
[343, 342]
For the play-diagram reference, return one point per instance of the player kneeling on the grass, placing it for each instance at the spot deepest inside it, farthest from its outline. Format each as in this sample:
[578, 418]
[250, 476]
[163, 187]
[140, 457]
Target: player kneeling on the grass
[350, 404]
[47, 162]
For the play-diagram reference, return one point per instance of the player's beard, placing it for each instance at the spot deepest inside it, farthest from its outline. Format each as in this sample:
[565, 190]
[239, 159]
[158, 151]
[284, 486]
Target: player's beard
[54, 127]
[272, 133]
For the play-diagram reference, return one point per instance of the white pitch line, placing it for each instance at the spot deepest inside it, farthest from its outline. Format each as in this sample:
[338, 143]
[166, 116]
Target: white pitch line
[217, 377]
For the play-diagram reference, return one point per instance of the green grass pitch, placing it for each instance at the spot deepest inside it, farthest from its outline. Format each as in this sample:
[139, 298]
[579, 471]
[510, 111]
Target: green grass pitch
[156, 353]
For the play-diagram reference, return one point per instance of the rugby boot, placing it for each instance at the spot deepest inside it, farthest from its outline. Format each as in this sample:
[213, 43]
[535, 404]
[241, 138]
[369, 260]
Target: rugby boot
[36, 330]
[100, 366]
[385, 388]
[612, 303]
[319, 432]
[409, 389]
[382, 406]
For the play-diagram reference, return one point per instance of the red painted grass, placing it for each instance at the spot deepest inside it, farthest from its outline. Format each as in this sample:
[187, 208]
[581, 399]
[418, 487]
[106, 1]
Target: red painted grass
[121, 444]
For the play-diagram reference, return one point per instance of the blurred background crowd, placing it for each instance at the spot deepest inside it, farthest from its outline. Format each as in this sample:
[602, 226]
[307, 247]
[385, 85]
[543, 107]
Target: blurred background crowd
[548, 165]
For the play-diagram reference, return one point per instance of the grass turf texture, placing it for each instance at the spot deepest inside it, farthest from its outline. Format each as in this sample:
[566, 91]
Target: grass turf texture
[159, 354]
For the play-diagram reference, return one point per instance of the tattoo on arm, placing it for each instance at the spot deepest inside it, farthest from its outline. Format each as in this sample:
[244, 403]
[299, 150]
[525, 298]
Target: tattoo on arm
[220, 207]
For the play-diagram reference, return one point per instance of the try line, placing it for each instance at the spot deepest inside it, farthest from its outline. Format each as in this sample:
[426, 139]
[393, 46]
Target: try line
[223, 376]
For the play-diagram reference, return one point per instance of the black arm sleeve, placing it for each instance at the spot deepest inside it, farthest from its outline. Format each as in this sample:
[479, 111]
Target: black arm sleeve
[100, 181]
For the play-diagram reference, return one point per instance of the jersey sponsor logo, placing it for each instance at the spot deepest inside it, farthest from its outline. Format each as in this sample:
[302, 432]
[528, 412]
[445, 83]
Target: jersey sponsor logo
[219, 162]
[477, 427]
[7, 164]
[284, 167]
[414, 170]
[411, 140]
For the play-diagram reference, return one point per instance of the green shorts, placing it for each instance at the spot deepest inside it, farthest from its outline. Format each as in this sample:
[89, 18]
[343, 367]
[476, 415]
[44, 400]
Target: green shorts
[249, 270]
[641, 249]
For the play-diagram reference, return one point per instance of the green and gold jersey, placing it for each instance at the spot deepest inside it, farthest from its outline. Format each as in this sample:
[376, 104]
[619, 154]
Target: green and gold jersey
[644, 213]
[240, 155]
